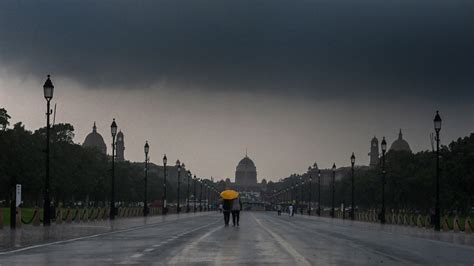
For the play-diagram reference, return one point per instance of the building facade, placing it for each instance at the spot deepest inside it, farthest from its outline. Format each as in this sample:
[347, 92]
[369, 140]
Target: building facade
[374, 152]
[120, 147]
[95, 140]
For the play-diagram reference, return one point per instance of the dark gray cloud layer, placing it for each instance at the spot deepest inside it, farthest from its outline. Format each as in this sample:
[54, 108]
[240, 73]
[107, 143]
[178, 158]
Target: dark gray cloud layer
[320, 48]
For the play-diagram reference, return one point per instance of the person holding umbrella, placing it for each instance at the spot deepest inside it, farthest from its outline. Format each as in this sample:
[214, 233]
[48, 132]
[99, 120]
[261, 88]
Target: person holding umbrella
[227, 197]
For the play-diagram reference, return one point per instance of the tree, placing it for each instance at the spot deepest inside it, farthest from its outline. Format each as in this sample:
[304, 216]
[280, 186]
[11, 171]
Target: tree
[4, 117]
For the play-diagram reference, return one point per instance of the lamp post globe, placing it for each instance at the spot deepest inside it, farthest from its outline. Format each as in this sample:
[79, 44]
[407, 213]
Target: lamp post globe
[146, 148]
[437, 122]
[437, 126]
[48, 90]
[383, 145]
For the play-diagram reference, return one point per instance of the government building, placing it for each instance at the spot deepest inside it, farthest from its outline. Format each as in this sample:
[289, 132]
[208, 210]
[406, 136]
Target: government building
[95, 140]
[247, 185]
[399, 145]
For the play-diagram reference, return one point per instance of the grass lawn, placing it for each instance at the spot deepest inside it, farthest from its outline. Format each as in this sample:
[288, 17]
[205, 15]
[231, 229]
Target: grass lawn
[26, 213]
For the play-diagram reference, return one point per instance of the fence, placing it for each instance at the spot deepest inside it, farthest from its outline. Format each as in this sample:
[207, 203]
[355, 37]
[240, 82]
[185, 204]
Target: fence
[77, 215]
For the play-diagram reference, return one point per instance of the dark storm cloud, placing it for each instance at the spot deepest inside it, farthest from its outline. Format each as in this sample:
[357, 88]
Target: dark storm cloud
[315, 49]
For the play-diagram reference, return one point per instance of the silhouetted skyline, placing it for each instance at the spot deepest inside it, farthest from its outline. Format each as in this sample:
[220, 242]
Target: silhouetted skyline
[294, 81]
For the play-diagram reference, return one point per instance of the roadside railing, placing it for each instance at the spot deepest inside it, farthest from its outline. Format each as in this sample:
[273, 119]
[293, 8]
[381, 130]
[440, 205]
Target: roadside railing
[77, 215]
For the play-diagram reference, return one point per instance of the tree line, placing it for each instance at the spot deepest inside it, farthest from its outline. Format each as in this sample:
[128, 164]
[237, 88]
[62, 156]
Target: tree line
[78, 174]
[410, 181]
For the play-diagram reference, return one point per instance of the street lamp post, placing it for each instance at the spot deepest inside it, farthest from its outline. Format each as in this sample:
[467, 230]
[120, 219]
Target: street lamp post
[352, 187]
[113, 131]
[178, 166]
[165, 207]
[384, 149]
[310, 189]
[301, 194]
[333, 190]
[145, 202]
[437, 125]
[48, 90]
[194, 192]
[319, 192]
[200, 195]
[187, 197]
[208, 197]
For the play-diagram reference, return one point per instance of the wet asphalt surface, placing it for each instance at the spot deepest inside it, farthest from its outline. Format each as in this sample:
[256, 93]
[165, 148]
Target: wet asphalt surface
[263, 238]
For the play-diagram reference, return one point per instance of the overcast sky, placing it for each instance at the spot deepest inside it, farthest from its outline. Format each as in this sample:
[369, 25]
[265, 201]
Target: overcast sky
[293, 81]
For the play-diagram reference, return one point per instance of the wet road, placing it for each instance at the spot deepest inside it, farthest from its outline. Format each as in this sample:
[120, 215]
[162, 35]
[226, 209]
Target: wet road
[262, 238]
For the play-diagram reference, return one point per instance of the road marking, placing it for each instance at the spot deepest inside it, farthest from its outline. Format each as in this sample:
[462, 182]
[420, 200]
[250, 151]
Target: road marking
[300, 259]
[164, 242]
[86, 237]
[189, 246]
[352, 243]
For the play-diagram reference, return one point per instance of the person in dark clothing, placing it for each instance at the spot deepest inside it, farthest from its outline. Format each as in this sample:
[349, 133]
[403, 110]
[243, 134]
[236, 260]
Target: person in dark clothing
[226, 209]
[236, 207]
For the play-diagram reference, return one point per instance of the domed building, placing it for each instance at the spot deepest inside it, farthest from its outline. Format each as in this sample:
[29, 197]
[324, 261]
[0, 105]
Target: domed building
[246, 173]
[400, 144]
[95, 140]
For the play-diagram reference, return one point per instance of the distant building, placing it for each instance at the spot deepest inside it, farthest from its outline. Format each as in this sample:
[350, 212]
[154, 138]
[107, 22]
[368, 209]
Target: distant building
[374, 152]
[120, 147]
[400, 144]
[246, 173]
[95, 140]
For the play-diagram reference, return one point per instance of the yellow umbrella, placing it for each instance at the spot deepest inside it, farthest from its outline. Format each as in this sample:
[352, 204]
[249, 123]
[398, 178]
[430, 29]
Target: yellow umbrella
[229, 194]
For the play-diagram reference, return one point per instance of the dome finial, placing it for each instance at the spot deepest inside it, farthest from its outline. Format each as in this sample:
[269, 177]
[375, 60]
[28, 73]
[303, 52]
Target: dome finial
[94, 128]
[400, 135]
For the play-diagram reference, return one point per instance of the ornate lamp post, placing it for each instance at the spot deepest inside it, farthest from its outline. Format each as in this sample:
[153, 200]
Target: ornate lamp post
[319, 192]
[310, 188]
[113, 131]
[437, 125]
[194, 192]
[208, 197]
[384, 149]
[301, 194]
[48, 90]
[333, 190]
[145, 201]
[165, 207]
[200, 195]
[353, 158]
[187, 197]
[178, 166]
